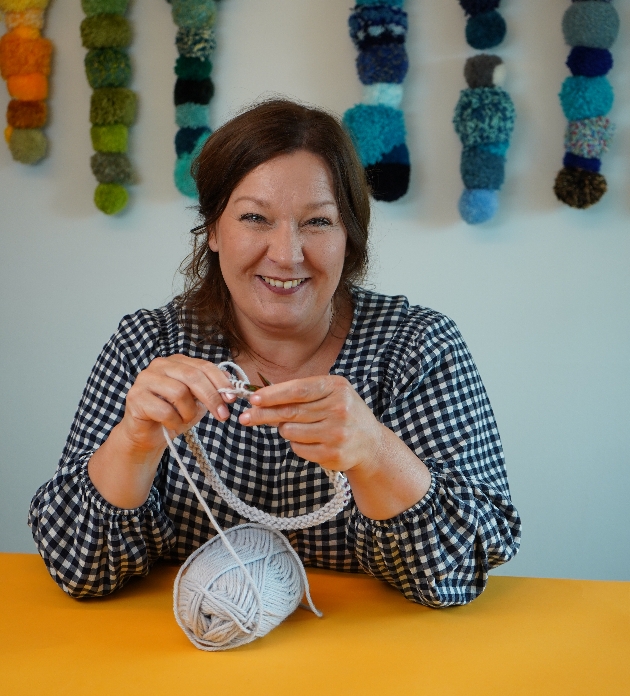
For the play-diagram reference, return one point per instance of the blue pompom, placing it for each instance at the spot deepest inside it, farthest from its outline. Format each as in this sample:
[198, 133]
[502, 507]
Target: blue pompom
[184, 180]
[499, 149]
[382, 64]
[481, 169]
[591, 164]
[484, 116]
[585, 97]
[390, 3]
[592, 24]
[191, 115]
[187, 138]
[485, 30]
[397, 155]
[371, 26]
[478, 205]
[590, 62]
[375, 130]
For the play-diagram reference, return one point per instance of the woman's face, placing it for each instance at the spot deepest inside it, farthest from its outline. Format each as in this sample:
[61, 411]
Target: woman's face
[282, 245]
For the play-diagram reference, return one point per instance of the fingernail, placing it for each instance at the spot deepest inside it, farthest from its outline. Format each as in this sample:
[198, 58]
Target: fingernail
[254, 399]
[245, 418]
[223, 412]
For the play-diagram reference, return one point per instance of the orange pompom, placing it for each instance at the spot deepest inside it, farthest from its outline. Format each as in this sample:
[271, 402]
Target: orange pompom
[26, 114]
[21, 5]
[26, 32]
[19, 56]
[32, 87]
[7, 133]
[33, 19]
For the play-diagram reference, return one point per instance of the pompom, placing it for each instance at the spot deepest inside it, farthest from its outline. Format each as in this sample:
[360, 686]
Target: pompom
[32, 87]
[389, 178]
[585, 97]
[374, 26]
[389, 3]
[112, 105]
[183, 174]
[579, 188]
[109, 138]
[107, 67]
[591, 164]
[590, 62]
[383, 93]
[478, 205]
[195, 43]
[194, 14]
[593, 24]
[96, 7]
[192, 68]
[397, 155]
[106, 31]
[589, 137]
[475, 7]
[382, 64]
[375, 130]
[481, 169]
[191, 115]
[111, 168]
[33, 18]
[484, 115]
[7, 133]
[186, 139]
[23, 5]
[485, 30]
[110, 198]
[20, 56]
[479, 70]
[27, 114]
[499, 149]
[28, 145]
[195, 91]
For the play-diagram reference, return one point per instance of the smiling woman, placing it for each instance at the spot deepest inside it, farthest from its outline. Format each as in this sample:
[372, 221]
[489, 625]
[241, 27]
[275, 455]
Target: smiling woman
[361, 383]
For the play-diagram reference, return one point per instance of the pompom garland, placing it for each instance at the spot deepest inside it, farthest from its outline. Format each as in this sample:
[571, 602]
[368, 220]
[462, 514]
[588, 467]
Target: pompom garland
[25, 59]
[377, 125]
[590, 27]
[484, 115]
[105, 32]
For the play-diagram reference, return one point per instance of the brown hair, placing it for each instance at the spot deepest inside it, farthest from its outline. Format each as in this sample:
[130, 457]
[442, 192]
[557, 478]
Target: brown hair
[262, 132]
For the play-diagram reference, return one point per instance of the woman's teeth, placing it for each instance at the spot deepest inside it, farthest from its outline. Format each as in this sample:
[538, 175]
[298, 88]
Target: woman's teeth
[283, 283]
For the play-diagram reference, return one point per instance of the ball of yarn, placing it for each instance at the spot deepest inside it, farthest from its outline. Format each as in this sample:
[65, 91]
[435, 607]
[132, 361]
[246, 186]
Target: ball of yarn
[32, 18]
[184, 181]
[28, 145]
[110, 198]
[196, 91]
[186, 139]
[589, 137]
[195, 43]
[485, 30]
[32, 87]
[382, 64]
[111, 105]
[388, 181]
[191, 115]
[484, 115]
[390, 3]
[22, 5]
[594, 24]
[213, 600]
[585, 97]
[499, 149]
[375, 130]
[383, 93]
[105, 31]
[481, 169]
[192, 68]
[372, 26]
[26, 114]
[194, 14]
[478, 205]
[107, 67]
[95, 7]
[479, 70]
[590, 62]
[24, 56]
[592, 164]
[109, 138]
[111, 168]
[474, 7]
[579, 188]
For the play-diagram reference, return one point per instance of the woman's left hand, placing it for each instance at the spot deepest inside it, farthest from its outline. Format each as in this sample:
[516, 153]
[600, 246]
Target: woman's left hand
[323, 418]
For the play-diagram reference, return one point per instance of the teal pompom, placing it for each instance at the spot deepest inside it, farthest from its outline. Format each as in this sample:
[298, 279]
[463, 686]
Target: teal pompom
[194, 14]
[591, 24]
[484, 115]
[96, 7]
[191, 115]
[478, 205]
[184, 180]
[385, 93]
[107, 67]
[390, 3]
[192, 68]
[375, 130]
[585, 97]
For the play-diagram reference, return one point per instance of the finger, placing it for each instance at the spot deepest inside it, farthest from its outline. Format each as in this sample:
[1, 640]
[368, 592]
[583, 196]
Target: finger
[310, 433]
[282, 414]
[218, 378]
[318, 453]
[296, 391]
[175, 393]
[157, 410]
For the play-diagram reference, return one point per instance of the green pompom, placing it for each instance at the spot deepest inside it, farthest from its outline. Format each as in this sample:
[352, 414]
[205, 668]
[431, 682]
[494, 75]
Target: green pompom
[105, 31]
[192, 68]
[109, 138]
[112, 105]
[95, 7]
[194, 14]
[111, 168]
[28, 145]
[110, 198]
[107, 67]
[191, 115]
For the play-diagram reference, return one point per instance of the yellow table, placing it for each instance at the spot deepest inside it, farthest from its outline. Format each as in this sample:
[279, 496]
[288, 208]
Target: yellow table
[522, 636]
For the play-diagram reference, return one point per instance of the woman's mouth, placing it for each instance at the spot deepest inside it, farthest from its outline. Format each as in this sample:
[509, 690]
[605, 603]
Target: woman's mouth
[287, 284]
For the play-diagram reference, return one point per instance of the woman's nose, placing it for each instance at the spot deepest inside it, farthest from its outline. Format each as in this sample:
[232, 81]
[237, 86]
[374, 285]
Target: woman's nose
[285, 245]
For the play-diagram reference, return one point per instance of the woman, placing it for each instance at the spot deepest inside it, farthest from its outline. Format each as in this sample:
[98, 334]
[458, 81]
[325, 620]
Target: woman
[361, 383]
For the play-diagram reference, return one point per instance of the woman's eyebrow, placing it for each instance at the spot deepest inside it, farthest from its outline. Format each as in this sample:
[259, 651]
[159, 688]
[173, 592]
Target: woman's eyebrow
[251, 199]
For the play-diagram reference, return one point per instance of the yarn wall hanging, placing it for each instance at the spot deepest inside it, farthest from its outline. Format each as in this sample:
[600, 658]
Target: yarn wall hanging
[590, 28]
[378, 29]
[106, 33]
[25, 65]
[484, 115]
[194, 88]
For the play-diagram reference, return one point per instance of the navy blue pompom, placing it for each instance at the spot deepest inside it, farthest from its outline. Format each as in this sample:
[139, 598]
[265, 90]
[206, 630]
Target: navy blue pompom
[187, 138]
[397, 155]
[588, 163]
[388, 181]
[383, 64]
[589, 62]
[474, 7]
[485, 30]
[481, 169]
[371, 26]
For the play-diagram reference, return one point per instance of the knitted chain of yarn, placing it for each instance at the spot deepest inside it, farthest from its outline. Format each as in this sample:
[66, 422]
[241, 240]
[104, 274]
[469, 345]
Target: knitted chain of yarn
[590, 28]
[106, 33]
[25, 65]
[378, 29]
[194, 88]
[484, 115]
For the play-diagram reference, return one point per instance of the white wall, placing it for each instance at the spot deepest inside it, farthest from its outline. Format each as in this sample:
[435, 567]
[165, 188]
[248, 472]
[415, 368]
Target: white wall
[540, 293]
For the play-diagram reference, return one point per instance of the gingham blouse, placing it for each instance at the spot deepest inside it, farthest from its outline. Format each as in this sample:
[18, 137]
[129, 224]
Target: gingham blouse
[412, 368]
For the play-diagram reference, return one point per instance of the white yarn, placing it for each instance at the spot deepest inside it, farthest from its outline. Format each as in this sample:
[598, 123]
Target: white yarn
[228, 594]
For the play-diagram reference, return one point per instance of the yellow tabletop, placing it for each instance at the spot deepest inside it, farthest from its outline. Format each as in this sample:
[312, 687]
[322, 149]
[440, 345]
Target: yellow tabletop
[522, 636]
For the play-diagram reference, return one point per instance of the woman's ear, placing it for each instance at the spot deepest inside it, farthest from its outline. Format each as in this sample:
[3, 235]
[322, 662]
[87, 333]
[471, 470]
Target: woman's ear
[212, 238]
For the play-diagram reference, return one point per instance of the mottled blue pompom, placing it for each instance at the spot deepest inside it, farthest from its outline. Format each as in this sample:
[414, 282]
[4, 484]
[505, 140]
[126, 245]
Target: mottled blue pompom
[590, 62]
[592, 24]
[371, 26]
[375, 130]
[585, 97]
[485, 30]
[481, 169]
[382, 64]
[484, 116]
[591, 164]
[478, 205]
[187, 138]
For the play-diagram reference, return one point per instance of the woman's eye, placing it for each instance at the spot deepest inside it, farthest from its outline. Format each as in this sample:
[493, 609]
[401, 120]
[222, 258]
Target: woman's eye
[252, 217]
[319, 222]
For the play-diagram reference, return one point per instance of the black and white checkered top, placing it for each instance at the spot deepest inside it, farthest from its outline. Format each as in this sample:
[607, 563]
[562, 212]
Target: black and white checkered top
[411, 367]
